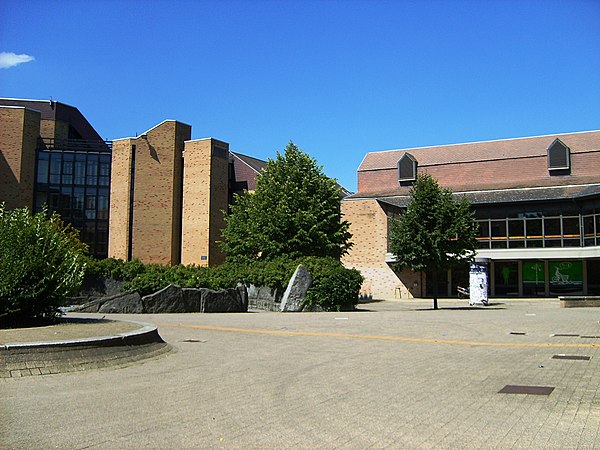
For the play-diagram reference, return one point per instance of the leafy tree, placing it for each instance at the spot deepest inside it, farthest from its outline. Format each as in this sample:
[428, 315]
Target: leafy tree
[435, 233]
[42, 261]
[295, 211]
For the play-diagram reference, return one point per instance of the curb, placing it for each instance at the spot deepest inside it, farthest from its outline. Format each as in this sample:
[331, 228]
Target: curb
[148, 334]
[44, 358]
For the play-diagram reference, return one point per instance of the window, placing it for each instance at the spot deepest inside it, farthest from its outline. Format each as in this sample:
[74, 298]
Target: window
[506, 278]
[407, 168]
[42, 169]
[559, 156]
[92, 170]
[104, 179]
[498, 229]
[55, 164]
[534, 235]
[571, 232]
[79, 169]
[67, 169]
[516, 233]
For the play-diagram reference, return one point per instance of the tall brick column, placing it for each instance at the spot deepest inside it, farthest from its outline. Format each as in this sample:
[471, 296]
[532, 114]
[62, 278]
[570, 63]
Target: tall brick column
[205, 197]
[146, 190]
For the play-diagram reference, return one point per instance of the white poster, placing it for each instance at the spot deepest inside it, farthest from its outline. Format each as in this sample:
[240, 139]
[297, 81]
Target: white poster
[478, 284]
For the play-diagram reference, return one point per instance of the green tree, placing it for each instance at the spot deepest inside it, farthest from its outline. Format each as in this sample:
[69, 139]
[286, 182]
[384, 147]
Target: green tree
[435, 233]
[42, 261]
[294, 211]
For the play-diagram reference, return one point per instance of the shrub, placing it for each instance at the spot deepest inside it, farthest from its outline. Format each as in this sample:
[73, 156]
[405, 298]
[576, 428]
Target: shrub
[334, 287]
[115, 268]
[41, 262]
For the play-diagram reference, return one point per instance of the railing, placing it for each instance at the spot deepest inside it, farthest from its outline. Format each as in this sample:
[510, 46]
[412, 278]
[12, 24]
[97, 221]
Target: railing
[75, 145]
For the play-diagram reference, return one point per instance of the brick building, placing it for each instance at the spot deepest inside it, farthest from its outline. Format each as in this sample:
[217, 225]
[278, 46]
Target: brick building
[537, 204]
[168, 194]
[50, 154]
[158, 197]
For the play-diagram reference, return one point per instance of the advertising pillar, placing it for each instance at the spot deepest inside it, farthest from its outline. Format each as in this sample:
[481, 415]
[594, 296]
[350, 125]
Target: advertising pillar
[478, 282]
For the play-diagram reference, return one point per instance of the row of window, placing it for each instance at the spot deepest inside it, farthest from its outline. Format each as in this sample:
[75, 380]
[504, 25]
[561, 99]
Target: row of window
[74, 202]
[536, 232]
[530, 278]
[70, 168]
[77, 186]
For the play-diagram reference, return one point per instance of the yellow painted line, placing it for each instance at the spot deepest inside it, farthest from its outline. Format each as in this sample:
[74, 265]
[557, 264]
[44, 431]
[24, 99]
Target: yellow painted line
[373, 337]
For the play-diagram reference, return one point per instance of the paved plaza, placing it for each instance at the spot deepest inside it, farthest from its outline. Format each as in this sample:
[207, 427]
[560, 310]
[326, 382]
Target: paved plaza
[395, 375]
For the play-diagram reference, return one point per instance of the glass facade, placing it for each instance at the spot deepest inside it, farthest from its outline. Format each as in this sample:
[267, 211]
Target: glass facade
[560, 225]
[536, 232]
[73, 179]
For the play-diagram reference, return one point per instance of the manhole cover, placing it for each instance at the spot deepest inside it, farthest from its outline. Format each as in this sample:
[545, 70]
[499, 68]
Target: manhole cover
[533, 390]
[575, 357]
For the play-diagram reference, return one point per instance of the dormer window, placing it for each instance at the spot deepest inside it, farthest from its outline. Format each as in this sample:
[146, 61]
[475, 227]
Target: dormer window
[407, 168]
[559, 157]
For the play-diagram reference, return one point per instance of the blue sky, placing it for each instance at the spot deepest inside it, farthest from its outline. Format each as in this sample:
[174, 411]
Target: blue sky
[339, 78]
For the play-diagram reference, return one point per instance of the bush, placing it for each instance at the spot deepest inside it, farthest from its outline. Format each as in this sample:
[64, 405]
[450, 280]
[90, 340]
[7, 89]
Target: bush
[115, 268]
[334, 287]
[42, 261]
[335, 290]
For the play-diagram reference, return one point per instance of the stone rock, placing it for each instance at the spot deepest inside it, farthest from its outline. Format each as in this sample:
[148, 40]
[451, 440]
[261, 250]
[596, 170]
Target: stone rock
[97, 286]
[225, 300]
[293, 297]
[167, 300]
[127, 302]
[263, 293]
[90, 307]
[243, 291]
[192, 298]
[264, 298]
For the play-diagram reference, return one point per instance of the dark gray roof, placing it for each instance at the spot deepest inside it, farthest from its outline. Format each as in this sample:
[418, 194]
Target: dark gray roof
[254, 163]
[513, 195]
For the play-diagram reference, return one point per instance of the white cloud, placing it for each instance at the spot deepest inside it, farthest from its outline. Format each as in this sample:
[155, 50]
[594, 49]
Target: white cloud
[9, 59]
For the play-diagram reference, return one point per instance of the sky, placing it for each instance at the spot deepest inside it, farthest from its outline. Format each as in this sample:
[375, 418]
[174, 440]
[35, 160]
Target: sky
[338, 78]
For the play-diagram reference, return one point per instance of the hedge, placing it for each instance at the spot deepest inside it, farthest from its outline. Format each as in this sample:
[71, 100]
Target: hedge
[334, 287]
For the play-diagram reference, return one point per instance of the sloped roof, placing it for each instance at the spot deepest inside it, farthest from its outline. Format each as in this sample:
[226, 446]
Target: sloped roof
[254, 163]
[53, 110]
[512, 195]
[482, 151]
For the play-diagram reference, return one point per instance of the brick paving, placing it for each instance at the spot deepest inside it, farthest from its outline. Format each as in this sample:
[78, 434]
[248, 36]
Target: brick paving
[396, 376]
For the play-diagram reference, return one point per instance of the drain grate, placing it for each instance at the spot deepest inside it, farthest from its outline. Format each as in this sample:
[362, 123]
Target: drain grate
[564, 335]
[575, 357]
[533, 390]
[590, 337]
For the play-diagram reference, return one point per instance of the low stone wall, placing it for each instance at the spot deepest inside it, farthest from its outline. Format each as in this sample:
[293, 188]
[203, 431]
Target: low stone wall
[264, 298]
[582, 301]
[94, 287]
[45, 358]
[171, 299]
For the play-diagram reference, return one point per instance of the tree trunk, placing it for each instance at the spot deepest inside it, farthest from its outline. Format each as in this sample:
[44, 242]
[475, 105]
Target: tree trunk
[435, 289]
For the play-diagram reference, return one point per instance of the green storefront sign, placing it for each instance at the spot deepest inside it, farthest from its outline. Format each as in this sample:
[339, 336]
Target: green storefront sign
[565, 276]
[534, 272]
